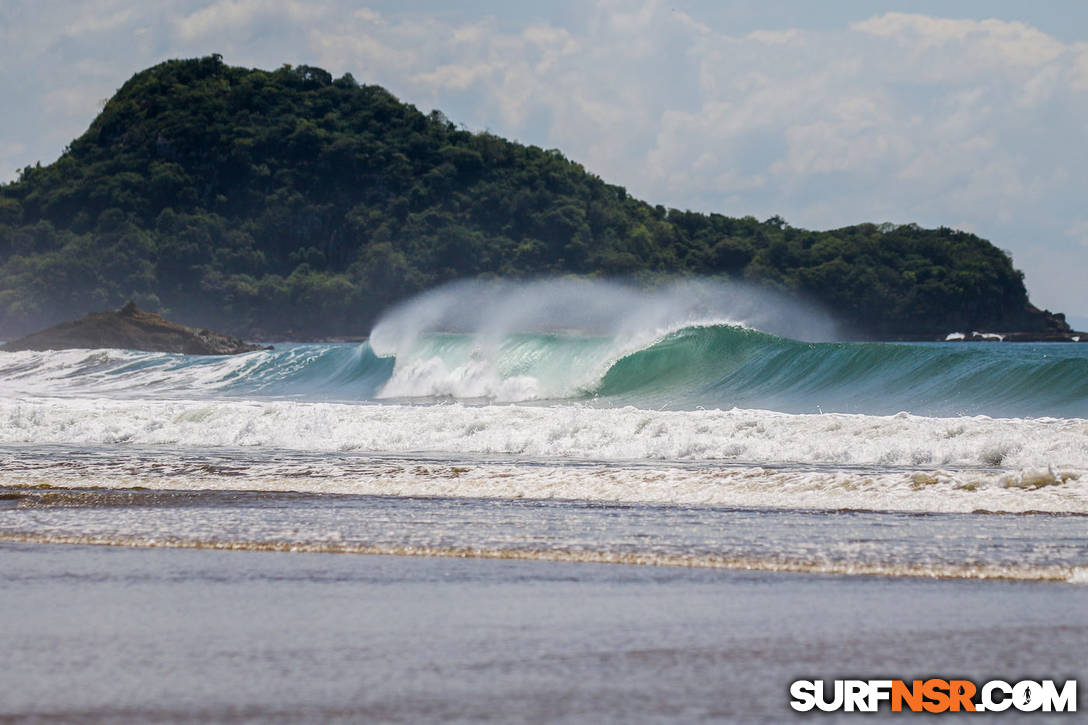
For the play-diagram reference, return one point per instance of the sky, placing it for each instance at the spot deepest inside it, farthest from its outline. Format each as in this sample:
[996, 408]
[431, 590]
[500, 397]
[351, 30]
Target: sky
[972, 115]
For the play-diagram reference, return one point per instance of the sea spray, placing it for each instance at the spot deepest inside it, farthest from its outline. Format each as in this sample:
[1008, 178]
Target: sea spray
[492, 310]
[589, 326]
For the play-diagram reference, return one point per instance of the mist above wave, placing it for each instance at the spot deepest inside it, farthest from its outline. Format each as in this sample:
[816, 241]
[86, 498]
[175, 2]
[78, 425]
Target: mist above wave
[594, 323]
[492, 310]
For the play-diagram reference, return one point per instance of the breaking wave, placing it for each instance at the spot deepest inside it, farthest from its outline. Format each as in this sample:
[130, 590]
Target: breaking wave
[704, 365]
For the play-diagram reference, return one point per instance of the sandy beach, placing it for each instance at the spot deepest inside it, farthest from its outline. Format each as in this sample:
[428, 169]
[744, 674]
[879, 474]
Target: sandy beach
[118, 634]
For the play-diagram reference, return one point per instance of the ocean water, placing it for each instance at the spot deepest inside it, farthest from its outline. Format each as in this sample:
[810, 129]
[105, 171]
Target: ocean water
[693, 426]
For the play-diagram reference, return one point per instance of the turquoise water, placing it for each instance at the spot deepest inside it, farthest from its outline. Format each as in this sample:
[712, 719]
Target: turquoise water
[708, 366]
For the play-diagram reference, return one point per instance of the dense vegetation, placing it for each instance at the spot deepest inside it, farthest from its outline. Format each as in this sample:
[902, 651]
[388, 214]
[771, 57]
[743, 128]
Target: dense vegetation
[276, 203]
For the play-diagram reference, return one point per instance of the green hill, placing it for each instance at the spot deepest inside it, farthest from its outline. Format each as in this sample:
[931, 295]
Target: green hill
[287, 203]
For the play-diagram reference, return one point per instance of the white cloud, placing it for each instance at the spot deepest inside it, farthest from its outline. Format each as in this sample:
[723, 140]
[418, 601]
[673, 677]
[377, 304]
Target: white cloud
[224, 15]
[457, 77]
[1080, 67]
[361, 50]
[98, 22]
[231, 15]
[1078, 232]
[368, 16]
[1012, 42]
[776, 37]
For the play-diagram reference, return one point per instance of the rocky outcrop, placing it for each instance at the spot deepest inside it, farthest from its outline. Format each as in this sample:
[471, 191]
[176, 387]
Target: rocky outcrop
[131, 329]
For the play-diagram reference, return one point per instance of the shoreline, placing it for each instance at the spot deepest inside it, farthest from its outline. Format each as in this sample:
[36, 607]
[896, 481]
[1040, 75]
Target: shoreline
[1054, 574]
[899, 545]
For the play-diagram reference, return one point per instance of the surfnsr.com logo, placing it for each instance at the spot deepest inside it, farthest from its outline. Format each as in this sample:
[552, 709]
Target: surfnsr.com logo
[933, 695]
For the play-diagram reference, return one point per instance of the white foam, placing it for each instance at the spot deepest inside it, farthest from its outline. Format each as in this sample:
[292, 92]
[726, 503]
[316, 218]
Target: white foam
[837, 460]
[128, 372]
[741, 486]
[431, 377]
[515, 368]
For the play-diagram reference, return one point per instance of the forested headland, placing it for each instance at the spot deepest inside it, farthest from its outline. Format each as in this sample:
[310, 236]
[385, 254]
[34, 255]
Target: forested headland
[287, 203]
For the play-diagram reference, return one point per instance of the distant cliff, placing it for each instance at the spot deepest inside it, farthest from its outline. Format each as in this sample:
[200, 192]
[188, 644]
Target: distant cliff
[285, 203]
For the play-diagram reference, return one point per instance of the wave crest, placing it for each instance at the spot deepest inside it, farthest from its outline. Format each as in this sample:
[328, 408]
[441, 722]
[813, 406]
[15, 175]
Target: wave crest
[702, 365]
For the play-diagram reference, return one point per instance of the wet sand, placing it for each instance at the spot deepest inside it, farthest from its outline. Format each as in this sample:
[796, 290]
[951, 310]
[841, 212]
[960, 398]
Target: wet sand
[121, 634]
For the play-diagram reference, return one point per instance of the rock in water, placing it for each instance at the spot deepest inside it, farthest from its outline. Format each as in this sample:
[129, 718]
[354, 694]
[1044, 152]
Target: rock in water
[131, 329]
